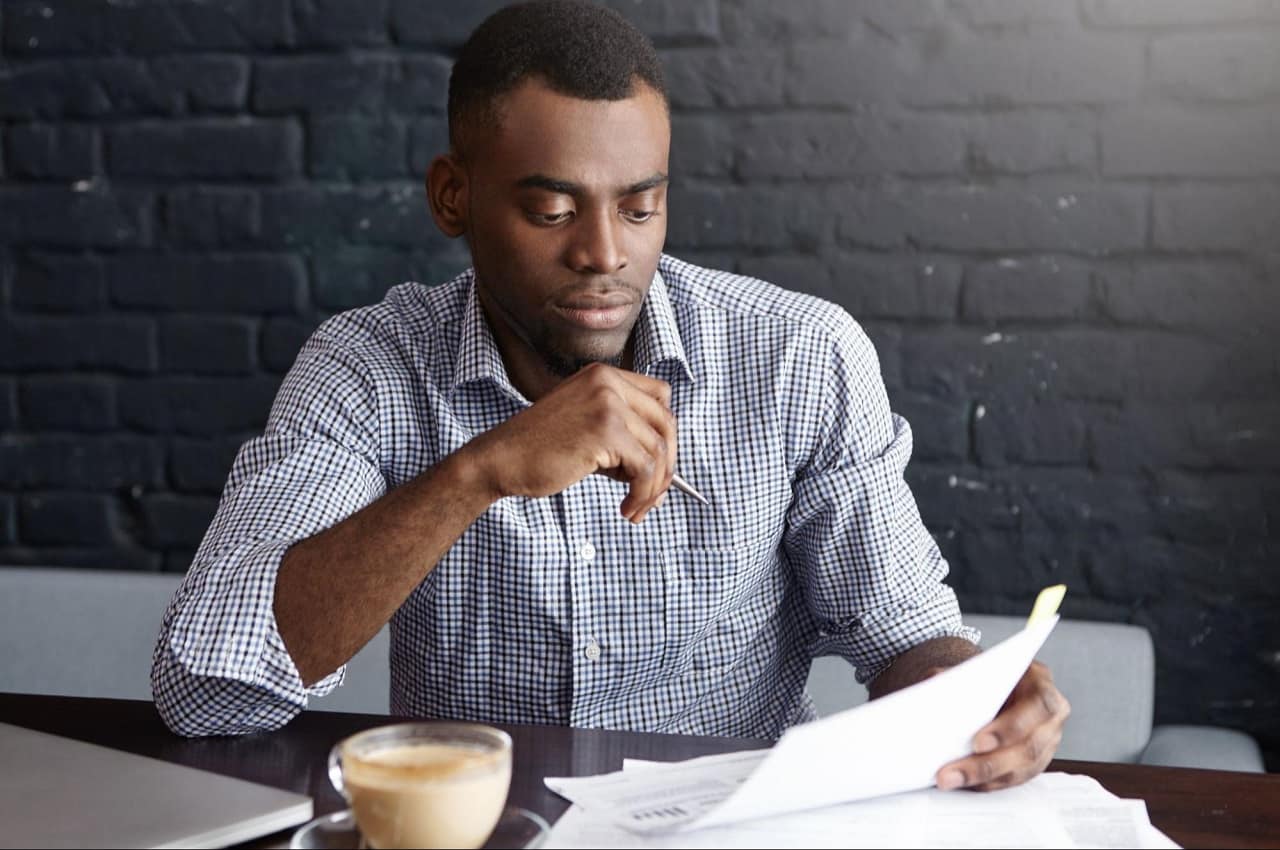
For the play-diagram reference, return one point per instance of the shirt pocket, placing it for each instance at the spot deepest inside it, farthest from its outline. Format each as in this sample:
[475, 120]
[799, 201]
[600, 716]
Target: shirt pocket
[700, 589]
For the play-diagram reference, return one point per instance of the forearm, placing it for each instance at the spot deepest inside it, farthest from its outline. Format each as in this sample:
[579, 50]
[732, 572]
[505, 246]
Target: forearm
[920, 662]
[336, 589]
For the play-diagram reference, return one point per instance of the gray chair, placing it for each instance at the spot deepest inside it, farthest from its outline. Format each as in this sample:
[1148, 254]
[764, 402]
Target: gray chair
[91, 633]
[1107, 671]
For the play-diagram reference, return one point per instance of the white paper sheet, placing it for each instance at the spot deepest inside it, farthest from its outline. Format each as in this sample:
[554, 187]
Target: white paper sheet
[893, 744]
[1053, 810]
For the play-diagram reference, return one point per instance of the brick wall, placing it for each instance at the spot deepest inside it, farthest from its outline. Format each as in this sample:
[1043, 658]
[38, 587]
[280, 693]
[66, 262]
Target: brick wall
[1059, 221]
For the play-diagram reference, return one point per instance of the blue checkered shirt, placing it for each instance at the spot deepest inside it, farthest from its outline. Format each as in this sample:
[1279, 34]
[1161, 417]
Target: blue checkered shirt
[701, 620]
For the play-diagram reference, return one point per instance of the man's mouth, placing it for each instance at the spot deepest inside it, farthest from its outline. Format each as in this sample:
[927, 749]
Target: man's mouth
[597, 313]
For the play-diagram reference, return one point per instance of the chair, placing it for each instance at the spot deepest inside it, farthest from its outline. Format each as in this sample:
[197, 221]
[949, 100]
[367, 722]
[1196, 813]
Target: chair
[91, 633]
[1107, 671]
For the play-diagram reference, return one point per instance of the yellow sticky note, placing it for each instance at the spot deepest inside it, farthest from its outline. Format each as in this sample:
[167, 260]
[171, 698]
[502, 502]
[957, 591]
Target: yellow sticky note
[1047, 603]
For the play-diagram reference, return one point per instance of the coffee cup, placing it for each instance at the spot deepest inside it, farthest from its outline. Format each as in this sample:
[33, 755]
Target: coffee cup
[428, 784]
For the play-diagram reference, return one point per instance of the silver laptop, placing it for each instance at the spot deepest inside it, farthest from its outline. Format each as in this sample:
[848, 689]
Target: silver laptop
[56, 792]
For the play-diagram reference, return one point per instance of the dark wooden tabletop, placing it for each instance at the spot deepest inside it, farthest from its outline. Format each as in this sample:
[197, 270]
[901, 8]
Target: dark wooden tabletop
[1196, 808]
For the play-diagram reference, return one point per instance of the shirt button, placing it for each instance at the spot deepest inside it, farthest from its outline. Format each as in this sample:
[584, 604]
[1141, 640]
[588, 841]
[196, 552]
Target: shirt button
[593, 650]
[587, 551]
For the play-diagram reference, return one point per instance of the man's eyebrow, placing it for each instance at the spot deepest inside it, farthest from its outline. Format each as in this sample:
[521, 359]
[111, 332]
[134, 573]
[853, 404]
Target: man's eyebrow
[646, 184]
[565, 187]
[551, 184]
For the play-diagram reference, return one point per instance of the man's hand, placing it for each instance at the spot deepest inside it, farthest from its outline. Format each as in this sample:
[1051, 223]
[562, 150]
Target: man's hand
[601, 419]
[1019, 743]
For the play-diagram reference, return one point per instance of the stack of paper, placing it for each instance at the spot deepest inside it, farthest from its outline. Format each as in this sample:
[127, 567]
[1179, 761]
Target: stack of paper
[805, 790]
[1053, 810]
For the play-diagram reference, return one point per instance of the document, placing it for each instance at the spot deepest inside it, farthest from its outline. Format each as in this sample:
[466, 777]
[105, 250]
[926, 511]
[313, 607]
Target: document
[1052, 810]
[901, 740]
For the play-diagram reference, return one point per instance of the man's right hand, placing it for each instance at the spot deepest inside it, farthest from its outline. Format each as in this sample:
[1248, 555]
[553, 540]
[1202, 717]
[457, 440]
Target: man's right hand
[601, 419]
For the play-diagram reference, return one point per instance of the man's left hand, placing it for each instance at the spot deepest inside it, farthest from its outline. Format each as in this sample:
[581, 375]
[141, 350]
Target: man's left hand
[1019, 743]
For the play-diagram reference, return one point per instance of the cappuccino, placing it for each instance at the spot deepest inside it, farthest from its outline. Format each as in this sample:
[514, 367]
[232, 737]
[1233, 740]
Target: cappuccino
[426, 793]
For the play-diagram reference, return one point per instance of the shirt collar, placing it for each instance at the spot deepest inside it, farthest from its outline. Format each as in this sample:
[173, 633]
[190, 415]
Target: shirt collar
[658, 348]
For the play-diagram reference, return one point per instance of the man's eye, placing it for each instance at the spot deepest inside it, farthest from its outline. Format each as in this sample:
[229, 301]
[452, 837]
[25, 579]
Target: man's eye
[551, 218]
[638, 216]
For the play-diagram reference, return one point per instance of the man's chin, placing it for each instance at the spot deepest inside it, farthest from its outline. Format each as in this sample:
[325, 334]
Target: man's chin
[565, 365]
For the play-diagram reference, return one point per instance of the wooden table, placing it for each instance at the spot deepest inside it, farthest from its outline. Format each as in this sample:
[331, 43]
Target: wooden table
[1196, 808]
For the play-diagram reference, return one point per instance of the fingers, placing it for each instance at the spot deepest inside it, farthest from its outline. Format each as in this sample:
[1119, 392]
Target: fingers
[647, 456]
[1005, 766]
[658, 390]
[1019, 743]
[653, 428]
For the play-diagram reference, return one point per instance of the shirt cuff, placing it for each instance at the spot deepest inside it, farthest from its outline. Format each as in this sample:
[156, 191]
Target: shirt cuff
[227, 626]
[883, 634]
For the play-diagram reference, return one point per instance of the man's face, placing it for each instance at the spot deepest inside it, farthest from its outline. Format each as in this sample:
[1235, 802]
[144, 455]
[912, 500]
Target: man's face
[566, 218]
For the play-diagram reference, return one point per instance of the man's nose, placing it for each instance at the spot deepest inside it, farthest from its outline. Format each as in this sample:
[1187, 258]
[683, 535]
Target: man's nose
[598, 244]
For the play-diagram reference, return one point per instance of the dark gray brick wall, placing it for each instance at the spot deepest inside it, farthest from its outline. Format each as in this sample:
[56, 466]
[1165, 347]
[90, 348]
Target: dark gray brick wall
[1058, 220]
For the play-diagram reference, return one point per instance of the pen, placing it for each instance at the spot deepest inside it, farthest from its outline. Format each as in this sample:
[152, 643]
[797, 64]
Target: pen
[688, 488]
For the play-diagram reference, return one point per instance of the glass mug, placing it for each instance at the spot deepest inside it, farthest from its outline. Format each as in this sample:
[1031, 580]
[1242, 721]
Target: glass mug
[424, 784]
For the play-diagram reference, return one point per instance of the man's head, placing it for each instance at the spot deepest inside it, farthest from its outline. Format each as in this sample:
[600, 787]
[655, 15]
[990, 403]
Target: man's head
[559, 136]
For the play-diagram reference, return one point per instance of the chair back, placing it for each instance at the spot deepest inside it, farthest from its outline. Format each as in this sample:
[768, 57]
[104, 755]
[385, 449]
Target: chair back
[91, 633]
[1106, 670]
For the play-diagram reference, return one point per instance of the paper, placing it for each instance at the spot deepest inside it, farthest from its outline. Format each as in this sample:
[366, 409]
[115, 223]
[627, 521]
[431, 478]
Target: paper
[1047, 602]
[1052, 810]
[889, 745]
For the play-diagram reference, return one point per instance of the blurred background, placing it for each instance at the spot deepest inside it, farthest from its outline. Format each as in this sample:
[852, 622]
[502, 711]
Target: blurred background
[1058, 220]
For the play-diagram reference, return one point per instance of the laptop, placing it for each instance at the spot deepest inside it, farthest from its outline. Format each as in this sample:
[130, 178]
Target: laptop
[57, 792]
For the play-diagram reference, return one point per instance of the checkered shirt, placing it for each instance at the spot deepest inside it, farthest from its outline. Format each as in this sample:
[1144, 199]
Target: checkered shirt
[701, 620]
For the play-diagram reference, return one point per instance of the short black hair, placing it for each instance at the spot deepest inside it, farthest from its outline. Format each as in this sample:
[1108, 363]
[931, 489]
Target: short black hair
[578, 48]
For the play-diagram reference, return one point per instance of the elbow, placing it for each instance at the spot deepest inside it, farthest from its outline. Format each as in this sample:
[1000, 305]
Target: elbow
[195, 706]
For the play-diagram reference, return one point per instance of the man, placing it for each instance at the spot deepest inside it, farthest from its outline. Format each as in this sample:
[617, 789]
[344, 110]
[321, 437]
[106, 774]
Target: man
[452, 460]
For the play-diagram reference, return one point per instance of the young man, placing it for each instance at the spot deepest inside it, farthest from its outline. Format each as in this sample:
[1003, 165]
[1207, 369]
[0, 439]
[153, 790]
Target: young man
[454, 460]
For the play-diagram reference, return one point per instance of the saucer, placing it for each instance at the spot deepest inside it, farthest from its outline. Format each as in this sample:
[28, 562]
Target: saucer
[517, 828]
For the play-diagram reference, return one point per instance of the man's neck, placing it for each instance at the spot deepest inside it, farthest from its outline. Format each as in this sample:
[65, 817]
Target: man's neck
[529, 374]
[526, 369]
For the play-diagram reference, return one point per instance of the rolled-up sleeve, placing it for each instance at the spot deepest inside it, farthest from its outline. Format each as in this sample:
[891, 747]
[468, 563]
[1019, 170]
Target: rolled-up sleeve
[872, 574]
[220, 666]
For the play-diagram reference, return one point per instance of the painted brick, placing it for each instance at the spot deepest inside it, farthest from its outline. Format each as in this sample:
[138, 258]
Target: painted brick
[95, 343]
[52, 150]
[1184, 142]
[208, 345]
[81, 463]
[1207, 217]
[237, 148]
[89, 214]
[174, 520]
[59, 284]
[71, 26]
[201, 465]
[67, 404]
[345, 148]
[704, 77]
[1039, 218]
[1216, 66]
[1041, 288]
[67, 518]
[1028, 69]
[211, 217]
[341, 23]
[203, 407]
[764, 21]
[1165, 13]
[831, 146]
[875, 286]
[266, 283]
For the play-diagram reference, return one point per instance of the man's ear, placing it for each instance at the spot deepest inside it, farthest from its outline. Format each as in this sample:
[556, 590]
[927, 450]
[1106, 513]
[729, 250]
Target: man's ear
[447, 194]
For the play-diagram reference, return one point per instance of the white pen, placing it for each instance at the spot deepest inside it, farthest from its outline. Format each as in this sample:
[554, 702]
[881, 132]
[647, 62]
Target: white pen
[688, 488]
